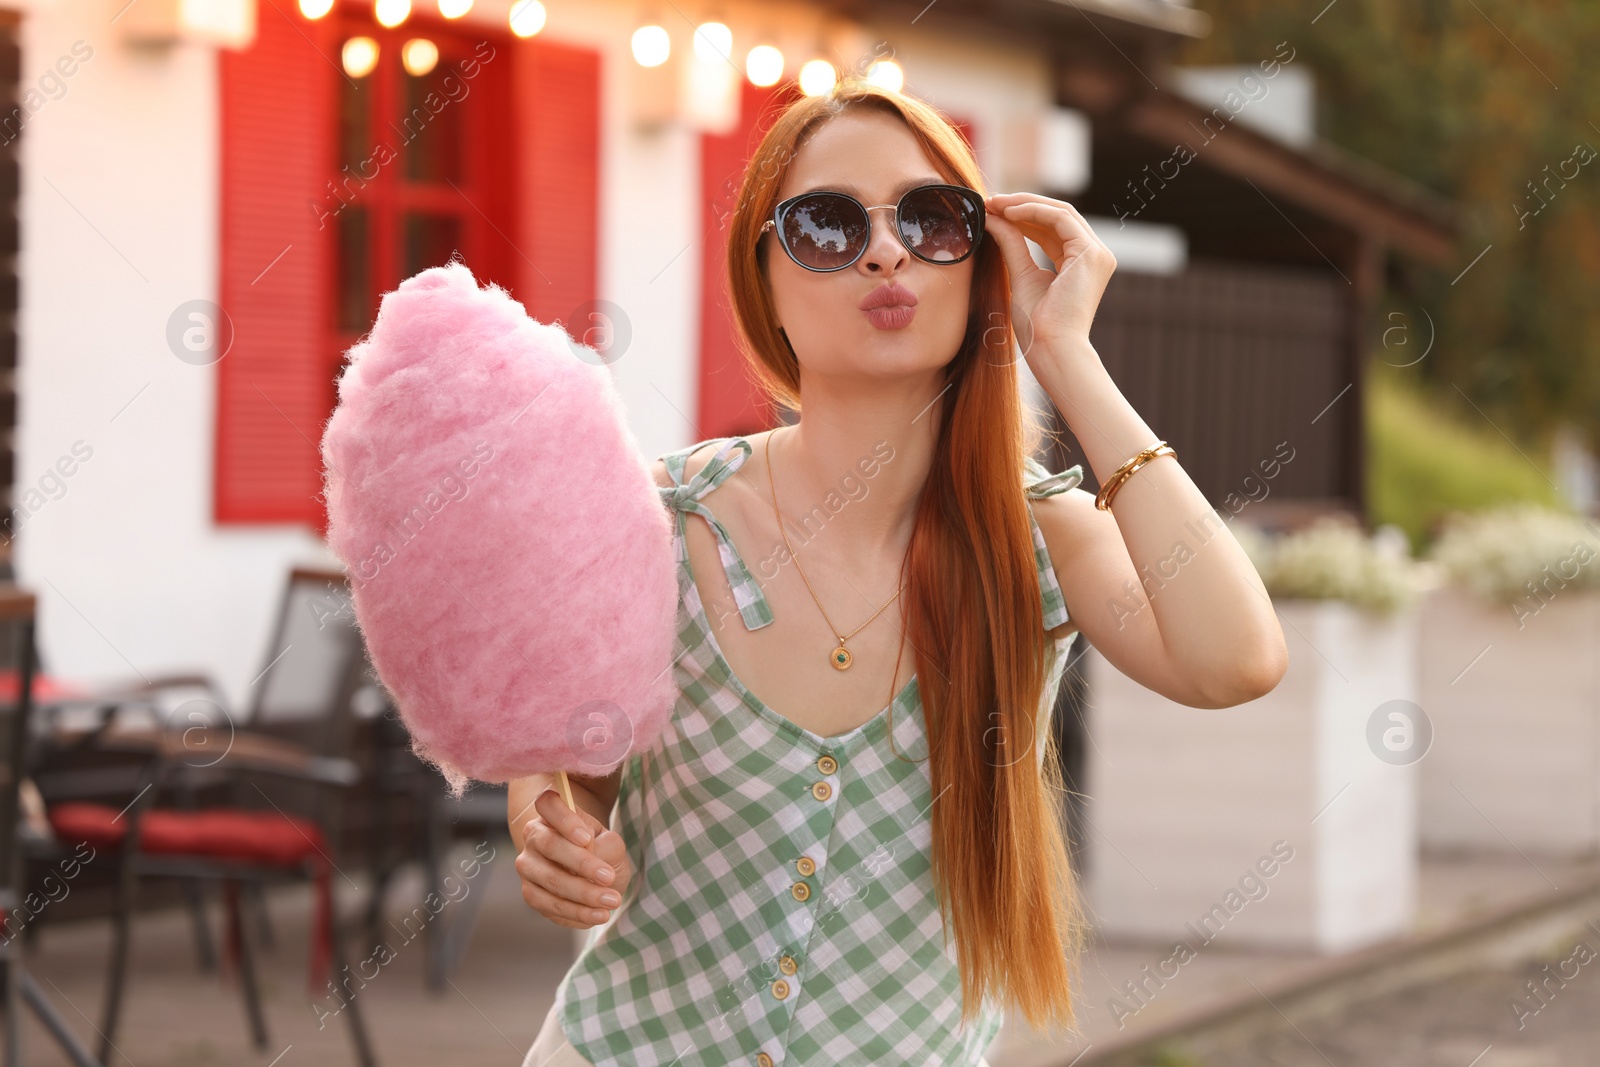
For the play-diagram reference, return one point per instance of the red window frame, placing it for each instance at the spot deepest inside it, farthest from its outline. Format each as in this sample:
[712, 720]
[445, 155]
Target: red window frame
[372, 185]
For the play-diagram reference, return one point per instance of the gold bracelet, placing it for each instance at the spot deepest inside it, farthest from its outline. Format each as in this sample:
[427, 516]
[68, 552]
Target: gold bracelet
[1102, 499]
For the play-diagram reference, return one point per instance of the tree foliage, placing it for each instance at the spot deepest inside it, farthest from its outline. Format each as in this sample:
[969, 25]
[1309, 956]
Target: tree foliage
[1496, 105]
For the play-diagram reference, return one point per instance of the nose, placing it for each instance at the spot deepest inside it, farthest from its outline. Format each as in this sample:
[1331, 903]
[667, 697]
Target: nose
[885, 253]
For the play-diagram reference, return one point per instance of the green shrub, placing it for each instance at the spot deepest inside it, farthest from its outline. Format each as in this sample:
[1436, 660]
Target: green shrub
[1424, 464]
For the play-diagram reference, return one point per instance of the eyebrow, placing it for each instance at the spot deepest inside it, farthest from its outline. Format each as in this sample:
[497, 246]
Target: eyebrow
[898, 191]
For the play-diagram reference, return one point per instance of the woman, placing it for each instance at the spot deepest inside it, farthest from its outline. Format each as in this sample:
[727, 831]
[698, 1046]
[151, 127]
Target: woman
[798, 872]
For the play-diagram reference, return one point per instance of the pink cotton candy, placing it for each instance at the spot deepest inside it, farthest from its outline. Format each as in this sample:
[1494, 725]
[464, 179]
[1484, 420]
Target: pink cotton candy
[510, 559]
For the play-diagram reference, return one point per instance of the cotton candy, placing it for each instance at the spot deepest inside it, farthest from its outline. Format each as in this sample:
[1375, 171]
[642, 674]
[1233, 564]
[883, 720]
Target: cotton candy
[509, 556]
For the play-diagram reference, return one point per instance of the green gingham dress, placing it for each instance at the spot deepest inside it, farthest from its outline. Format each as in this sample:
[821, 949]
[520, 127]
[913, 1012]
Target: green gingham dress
[783, 908]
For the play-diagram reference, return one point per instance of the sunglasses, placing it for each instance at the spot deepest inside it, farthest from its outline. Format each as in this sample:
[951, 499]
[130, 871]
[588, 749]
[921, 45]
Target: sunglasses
[828, 231]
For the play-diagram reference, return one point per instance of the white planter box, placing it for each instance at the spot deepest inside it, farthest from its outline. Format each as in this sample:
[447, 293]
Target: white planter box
[1516, 716]
[1186, 805]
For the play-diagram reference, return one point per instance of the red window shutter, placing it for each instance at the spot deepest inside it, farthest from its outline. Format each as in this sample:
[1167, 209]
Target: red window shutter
[730, 402]
[274, 386]
[557, 91]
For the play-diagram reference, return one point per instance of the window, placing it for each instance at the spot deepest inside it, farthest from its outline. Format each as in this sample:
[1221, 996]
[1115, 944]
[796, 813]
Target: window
[420, 172]
[335, 189]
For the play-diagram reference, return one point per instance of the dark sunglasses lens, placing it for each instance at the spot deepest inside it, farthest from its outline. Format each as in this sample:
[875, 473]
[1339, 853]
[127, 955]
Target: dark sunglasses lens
[825, 231]
[940, 225]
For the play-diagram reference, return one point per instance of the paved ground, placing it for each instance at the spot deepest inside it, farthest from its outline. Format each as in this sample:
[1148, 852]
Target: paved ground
[1469, 1020]
[177, 1016]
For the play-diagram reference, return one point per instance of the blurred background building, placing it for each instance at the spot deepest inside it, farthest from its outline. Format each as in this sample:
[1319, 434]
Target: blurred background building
[212, 195]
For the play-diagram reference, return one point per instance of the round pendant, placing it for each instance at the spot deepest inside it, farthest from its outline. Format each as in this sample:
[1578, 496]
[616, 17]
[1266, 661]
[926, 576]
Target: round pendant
[840, 658]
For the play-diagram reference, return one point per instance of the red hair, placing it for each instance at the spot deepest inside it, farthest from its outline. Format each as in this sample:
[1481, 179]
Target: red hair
[972, 606]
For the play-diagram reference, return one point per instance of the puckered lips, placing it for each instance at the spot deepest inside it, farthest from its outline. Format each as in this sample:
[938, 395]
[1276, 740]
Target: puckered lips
[890, 306]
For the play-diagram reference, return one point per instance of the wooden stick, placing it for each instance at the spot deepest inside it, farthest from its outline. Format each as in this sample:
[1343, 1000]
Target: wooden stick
[566, 789]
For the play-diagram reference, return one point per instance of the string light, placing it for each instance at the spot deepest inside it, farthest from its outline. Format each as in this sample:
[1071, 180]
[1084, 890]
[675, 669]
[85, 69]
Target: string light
[527, 17]
[419, 56]
[454, 9]
[764, 65]
[817, 77]
[713, 42]
[315, 9]
[886, 74]
[359, 55]
[651, 46]
[391, 13]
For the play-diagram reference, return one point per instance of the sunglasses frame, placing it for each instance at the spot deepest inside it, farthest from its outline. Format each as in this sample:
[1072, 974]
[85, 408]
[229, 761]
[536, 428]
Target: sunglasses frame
[972, 196]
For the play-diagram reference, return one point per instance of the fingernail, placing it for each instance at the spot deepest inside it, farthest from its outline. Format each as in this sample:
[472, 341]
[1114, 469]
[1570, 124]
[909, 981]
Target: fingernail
[605, 874]
[582, 835]
[610, 900]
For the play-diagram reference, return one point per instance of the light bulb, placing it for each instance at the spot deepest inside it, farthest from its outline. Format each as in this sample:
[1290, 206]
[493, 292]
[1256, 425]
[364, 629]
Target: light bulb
[359, 55]
[651, 46]
[391, 13]
[817, 77]
[713, 42]
[527, 17]
[419, 56]
[886, 74]
[764, 65]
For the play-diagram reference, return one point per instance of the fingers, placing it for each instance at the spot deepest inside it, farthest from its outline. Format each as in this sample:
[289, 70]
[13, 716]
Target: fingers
[561, 896]
[570, 884]
[560, 910]
[1054, 224]
[1002, 222]
[540, 838]
[567, 822]
[610, 847]
[1019, 260]
[562, 883]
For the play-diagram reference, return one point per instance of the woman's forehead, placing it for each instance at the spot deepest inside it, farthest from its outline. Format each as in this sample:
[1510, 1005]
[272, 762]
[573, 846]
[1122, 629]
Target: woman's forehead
[869, 154]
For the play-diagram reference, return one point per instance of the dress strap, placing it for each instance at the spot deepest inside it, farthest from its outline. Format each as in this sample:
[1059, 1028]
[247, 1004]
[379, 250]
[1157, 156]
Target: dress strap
[684, 499]
[1041, 483]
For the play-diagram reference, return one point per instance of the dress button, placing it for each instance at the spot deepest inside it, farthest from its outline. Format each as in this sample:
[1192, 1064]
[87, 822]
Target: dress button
[787, 965]
[801, 891]
[822, 790]
[827, 764]
[763, 1060]
[806, 865]
[780, 989]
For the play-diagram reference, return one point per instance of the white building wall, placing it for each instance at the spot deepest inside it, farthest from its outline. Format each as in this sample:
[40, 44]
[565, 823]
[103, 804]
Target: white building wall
[118, 227]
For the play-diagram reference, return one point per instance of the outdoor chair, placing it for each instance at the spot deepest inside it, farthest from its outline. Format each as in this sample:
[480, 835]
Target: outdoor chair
[241, 809]
[18, 906]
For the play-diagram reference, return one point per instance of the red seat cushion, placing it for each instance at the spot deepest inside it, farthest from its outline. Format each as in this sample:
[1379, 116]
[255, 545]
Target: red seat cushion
[266, 837]
[45, 687]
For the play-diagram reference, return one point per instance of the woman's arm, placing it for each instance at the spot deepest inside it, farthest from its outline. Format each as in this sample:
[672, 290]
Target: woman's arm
[1158, 584]
[1163, 590]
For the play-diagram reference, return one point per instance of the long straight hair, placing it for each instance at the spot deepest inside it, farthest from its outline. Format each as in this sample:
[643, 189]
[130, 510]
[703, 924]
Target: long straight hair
[972, 606]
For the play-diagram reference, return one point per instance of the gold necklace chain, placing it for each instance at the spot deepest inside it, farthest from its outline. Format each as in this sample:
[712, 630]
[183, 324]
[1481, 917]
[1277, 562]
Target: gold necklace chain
[840, 657]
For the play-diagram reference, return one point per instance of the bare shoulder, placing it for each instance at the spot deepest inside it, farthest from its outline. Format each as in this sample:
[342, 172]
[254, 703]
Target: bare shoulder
[692, 464]
[1069, 520]
[696, 460]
